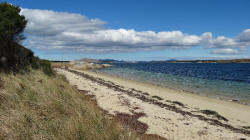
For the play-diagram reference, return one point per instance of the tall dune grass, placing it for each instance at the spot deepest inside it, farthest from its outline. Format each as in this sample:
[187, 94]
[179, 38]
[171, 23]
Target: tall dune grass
[37, 106]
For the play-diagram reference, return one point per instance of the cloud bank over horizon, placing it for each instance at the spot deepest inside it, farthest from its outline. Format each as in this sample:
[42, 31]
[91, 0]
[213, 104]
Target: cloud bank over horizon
[51, 30]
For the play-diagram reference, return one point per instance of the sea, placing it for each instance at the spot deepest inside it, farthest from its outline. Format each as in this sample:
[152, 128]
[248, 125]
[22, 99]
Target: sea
[227, 81]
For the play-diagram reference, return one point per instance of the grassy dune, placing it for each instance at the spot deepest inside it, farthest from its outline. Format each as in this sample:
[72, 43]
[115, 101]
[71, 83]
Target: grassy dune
[36, 106]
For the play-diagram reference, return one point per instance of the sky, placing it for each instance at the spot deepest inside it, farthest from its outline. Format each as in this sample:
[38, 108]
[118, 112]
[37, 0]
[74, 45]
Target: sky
[137, 29]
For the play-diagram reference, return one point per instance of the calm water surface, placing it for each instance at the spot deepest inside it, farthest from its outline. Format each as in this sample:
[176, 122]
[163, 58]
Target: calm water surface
[224, 80]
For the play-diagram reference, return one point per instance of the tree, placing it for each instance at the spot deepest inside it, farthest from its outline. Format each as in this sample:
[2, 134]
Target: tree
[12, 23]
[13, 56]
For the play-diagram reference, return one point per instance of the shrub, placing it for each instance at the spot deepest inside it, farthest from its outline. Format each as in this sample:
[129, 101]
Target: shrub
[45, 65]
[15, 57]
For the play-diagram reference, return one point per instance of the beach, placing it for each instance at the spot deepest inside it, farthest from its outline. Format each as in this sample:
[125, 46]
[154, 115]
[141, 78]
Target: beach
[169, 113]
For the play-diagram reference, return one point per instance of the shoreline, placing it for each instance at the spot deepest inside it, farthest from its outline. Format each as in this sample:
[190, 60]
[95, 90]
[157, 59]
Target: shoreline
[178, 91]
[169, 113]
[222, 98]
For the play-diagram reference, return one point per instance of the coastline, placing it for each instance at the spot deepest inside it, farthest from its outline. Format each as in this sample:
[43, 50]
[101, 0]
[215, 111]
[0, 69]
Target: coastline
[166, 123]
[178, 89]
[191, 99]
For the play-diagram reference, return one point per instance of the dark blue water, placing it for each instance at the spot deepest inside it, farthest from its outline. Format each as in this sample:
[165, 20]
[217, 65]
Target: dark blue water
[221, 71]
[224, 80]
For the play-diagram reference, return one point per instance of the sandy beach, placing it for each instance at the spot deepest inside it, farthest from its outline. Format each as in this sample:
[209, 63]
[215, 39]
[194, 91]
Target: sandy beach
[169, 113]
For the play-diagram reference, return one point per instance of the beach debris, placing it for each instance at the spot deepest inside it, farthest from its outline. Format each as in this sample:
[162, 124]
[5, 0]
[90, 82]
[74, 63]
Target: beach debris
[214, 113]
[145, 93]
[234, 100]
[246, 127]
[132, 121]
[135, 108]
[157, 97]
[178, 103]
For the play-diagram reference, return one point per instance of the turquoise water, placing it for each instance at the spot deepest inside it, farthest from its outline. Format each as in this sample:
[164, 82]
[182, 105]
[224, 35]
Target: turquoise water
[211, 87]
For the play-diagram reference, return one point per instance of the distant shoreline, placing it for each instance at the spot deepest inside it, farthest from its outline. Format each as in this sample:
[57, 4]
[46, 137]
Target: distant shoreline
[211, 61]
[171, 61]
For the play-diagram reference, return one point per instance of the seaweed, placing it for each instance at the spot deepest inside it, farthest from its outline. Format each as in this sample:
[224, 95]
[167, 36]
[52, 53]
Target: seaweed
[178, 103]
[157, 97]
[214, 113]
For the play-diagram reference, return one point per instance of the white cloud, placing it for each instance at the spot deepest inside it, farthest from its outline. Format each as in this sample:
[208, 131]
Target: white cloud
[225, 51]
[228, 45]
[244, 37]
[44, 22]
[75, 32]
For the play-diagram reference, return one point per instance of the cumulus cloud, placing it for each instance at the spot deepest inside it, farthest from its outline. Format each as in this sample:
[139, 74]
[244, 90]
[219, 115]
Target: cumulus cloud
[75, 32]
[225, 45]
[244, 37]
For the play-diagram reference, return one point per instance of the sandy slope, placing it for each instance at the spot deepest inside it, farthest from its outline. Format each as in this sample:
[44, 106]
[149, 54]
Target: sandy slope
[163, 121]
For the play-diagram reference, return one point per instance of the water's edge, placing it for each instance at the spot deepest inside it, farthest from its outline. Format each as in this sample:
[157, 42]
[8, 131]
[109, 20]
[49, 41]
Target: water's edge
[223, 90]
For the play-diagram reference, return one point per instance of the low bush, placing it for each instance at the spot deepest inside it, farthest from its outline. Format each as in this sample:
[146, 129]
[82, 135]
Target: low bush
[15, 57]
[46, 67]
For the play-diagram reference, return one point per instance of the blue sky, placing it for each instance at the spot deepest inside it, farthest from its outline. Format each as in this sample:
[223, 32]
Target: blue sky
[228, 18]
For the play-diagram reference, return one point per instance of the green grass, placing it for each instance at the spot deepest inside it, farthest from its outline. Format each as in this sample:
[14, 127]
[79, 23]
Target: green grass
[37, 106]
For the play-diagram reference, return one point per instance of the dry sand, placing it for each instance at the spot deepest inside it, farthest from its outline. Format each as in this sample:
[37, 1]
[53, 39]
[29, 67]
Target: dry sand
[163, 117]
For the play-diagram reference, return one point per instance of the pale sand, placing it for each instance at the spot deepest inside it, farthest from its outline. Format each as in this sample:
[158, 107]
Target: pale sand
[161, 121]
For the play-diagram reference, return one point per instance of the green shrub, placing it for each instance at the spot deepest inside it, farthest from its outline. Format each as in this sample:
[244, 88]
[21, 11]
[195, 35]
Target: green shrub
[45, 65]
[15, 57]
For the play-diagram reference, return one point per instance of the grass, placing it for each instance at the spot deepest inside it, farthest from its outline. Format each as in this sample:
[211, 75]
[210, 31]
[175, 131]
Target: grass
[37, 106]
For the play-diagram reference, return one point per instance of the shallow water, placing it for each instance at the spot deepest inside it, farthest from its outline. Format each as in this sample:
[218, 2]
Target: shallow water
[227, 81]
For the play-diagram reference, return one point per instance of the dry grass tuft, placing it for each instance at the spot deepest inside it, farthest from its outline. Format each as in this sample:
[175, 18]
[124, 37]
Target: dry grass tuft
[37, 106]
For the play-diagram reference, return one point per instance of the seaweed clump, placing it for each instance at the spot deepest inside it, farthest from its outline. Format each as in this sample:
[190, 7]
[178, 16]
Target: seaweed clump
[214, 113]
